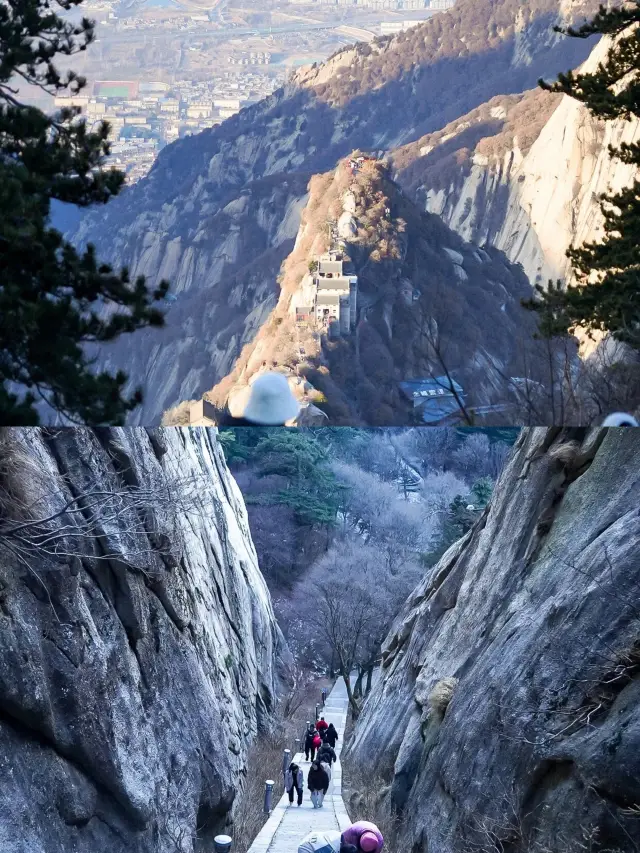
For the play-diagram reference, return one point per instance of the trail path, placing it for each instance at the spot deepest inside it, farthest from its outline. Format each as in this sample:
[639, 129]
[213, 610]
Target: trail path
[288, 824]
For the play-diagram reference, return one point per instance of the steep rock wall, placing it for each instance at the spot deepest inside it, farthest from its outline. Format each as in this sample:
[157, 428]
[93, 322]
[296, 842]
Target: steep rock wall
[140, 658]
[535, 613]
[536, 200]
[223, 272]
[413, 273]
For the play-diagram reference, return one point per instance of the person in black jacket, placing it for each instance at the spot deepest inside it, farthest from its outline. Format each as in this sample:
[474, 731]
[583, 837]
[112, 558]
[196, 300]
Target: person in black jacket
[318, 783]
[327, 754]
[331, 736]
[309, 748]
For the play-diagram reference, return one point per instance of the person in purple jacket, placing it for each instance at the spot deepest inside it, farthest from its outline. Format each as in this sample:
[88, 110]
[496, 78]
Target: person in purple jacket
[365, 836]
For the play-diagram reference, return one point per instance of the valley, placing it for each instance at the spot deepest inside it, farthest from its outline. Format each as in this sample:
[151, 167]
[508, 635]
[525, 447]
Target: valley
[174, 602]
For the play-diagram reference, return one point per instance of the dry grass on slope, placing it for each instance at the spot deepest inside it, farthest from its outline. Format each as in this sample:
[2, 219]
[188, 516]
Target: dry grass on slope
[489, 131]
[366, 798]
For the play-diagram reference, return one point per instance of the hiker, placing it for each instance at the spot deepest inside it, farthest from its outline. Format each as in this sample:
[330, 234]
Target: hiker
[318, 783]
[365, 836]
[325, 842]
[294, 781]
[270, 403]
[331, 736]
[322, 724]
[327, 753]
[309, 748]
[317, 742]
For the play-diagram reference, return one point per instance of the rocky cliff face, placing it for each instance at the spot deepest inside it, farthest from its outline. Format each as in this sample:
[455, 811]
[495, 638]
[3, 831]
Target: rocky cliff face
[140, 650]
[523, 174]
[223, 262]
[534, 613]
[186, 220]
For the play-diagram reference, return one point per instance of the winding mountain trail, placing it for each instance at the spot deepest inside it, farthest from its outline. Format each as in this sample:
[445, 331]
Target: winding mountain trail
[288, 824]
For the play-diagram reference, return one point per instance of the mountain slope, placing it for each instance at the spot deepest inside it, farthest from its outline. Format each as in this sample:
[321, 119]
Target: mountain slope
[534, 613]
[140, 653]
[425, 300]
[523, 173]
[372, 96]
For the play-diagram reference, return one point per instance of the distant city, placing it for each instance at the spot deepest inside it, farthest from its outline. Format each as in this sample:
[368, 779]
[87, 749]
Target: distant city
[160, 70]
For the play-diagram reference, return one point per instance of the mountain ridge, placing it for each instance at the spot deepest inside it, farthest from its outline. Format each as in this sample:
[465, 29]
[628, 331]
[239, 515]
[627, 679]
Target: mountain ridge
[165, 222]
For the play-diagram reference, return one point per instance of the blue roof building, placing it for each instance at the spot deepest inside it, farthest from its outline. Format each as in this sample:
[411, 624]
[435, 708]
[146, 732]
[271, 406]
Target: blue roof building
[435, 398]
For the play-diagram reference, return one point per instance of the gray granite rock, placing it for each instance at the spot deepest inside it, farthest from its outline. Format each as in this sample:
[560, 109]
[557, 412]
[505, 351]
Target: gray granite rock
[537, 613]
[138, 662]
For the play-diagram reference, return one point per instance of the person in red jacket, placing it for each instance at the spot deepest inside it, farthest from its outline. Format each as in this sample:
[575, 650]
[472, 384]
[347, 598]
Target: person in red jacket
[322, 725]
[317, 743]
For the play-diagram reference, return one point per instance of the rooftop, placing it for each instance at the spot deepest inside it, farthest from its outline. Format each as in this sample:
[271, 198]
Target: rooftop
[439, 387]
[328, 299]
[443, 409]
[337, 283]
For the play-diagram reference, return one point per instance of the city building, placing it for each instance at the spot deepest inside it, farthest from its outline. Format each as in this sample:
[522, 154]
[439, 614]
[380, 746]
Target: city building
[170, 105]
[388, 28]
[96, 109]
[153, 88]
[197, 110]
[227, 103]
[81, 101]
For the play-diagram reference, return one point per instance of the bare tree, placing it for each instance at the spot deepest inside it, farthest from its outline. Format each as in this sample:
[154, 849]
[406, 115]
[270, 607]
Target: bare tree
[48, 517]
[436, 353]
[297, 694]
[349, 599]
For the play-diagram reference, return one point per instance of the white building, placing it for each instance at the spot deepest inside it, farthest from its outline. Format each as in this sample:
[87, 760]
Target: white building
[227, 103]
[388, 28]
[81, 101]
[170, 105]
[199, 110]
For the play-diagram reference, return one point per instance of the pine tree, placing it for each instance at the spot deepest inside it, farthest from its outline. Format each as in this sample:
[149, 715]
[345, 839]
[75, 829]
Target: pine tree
[55, 300]
[606, 296]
